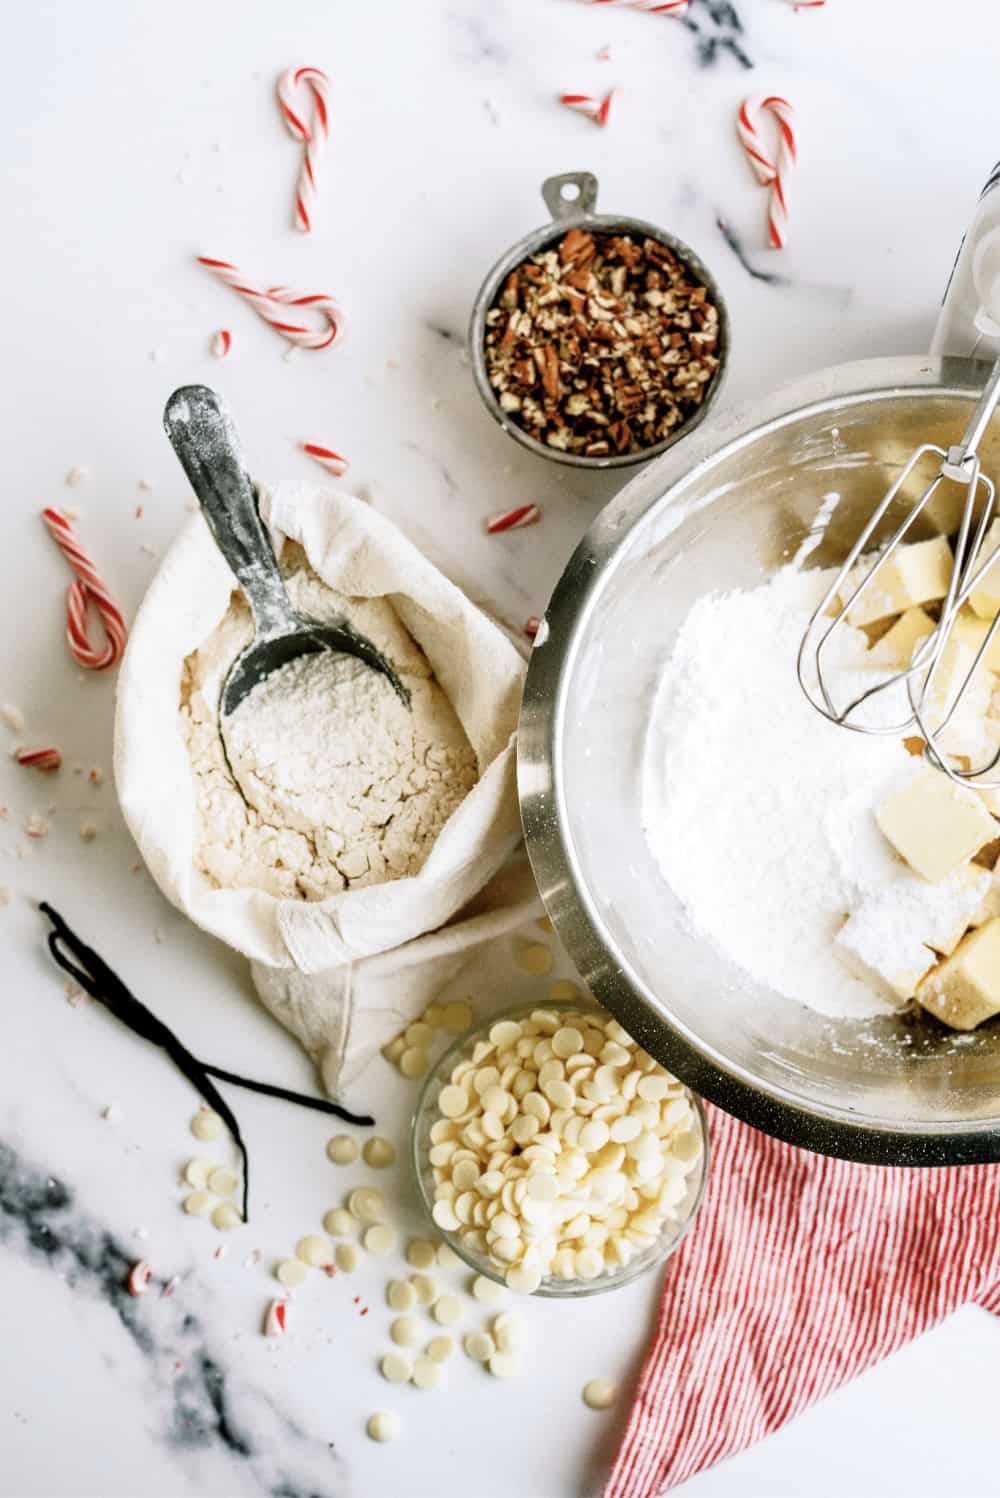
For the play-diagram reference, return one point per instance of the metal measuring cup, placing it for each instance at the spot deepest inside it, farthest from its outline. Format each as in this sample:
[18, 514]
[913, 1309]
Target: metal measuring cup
[571, 200]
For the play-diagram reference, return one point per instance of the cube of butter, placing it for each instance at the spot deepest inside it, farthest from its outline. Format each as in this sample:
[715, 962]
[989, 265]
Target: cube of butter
[917, 573]
[934, 824]
[985, 599]
[965, 989]
[972, 631]
[895, 648]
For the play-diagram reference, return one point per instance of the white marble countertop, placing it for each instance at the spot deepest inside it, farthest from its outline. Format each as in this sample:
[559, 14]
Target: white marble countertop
[133, 137]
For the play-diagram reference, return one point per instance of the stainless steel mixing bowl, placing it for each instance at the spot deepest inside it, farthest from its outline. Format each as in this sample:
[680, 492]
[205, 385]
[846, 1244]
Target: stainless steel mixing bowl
[726, 510]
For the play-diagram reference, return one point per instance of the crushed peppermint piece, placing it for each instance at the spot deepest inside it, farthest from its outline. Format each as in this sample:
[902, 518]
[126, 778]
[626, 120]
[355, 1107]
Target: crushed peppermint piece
[169, 1289]
[46, 760]
[222, 342]
[139, 1277]
[88, 831]
[12, 717]
[145, 485]
[75, 995]
[36, 825]
[275, 1322]
[6, 894]
[78, 474]
[111, 1112]
[96, 776]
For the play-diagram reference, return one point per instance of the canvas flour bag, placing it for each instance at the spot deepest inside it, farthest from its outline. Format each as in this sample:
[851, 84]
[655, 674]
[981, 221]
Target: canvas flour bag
[345, 965]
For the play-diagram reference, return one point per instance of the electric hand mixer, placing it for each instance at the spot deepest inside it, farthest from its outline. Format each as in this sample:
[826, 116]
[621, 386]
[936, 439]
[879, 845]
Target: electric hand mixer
[979, 261]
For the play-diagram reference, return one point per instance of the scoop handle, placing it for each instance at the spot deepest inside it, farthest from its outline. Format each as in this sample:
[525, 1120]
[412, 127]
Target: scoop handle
[203, 436]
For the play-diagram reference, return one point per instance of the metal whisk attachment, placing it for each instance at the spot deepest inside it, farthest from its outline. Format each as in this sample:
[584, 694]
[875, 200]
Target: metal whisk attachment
[959, 465]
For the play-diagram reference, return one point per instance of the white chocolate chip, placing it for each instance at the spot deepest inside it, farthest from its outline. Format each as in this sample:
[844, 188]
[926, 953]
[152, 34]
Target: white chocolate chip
[453, 1101]
[379, 1239]
[522, 1280]
[447, 1257]
[384, 1425]
[367, 1204]
[414, 1062]
[421, 1253]
[346, 1257]
[342, 1149]
[223, 1181]
[487, 1291]
[405, 1331]
[196, 1173]
[440, 1349]
[419, 1035]
[599, 1394]
[379, 1152]
[535, 959]
[504, 1365]
[447, 1310]
[456, 1017]
[206, 1125]
[340, 1224]
[198, 1203]
[400, 1295]
[291, 1272]
[396, 1367]
[314, 1250]
[426, 1373]
[479, 1346]
[424, 1288]
[226, 1217]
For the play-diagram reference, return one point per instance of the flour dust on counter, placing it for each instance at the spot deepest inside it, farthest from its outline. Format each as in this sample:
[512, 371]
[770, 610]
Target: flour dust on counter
[200, 1404]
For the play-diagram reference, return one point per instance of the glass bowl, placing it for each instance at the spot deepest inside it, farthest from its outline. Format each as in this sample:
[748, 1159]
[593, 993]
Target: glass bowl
[674, 1228]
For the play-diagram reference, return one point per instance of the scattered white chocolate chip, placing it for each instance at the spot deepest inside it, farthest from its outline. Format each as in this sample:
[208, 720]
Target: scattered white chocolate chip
[432, 1016]
[448, 1310]
[534, 958]
[400, 1295]
[379, 1152]
[197, 1204]
[346, 1257]
[421, 1253]
[12, 717]
[197, 1172]
[384, 1425]
[342, 1149]
[599, 1394]
[221, 1180]
[291, 1272]
[405, 1331]
[447, 1257]
[419, 1035]
[206, 1125]
[413, 1062]
[314, 1250]
[366, 1204]
[523, 1279]
[340, 1224]
[426, 1373]
[479, 1346]
[396, 1368]
[503, 1365]
[379, 1239]
[487, 1291]
[226, 1217]
[508, 1330]
[440, 1349]
[456, 1017]
[424, 1289]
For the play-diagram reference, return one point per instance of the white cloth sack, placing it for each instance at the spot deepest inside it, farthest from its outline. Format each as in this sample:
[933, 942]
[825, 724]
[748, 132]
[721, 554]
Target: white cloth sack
[344, 1017]
[360, 553]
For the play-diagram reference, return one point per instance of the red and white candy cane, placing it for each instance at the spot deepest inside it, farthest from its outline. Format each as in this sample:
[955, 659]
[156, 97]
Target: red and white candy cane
[39, 759]
[598, 110]
[773, 173]
[326, 458]
[651, 7]
[512, 520]
[313, 133]
[271, 302]
[139, 1277]
[88, 589]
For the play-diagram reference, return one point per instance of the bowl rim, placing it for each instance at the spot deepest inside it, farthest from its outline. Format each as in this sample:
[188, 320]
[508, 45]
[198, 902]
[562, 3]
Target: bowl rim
[549, 1289]
[566, 217]
[845, 1132]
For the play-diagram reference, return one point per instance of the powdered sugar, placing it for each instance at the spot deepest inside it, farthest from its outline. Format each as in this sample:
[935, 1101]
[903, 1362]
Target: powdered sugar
[758, 810]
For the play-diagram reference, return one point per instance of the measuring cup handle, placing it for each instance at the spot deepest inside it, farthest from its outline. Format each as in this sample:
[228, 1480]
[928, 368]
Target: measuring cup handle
[204, 438]
[582, 199]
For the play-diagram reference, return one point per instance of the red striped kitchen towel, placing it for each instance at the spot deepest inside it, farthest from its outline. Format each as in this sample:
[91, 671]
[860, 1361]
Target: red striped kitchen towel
[802, 1272]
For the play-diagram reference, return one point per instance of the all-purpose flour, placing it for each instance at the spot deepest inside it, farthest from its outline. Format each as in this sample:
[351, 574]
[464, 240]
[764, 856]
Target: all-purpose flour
[342, 785]
[759, 811]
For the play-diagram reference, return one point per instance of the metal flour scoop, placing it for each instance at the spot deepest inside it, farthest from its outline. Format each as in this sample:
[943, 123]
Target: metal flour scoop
[204, 438]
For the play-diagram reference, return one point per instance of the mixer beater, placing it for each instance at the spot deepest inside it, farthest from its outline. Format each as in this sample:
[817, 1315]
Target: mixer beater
[927, 716]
